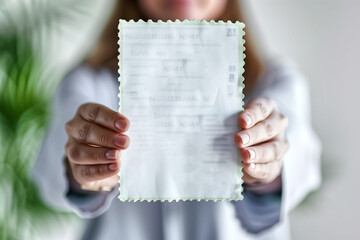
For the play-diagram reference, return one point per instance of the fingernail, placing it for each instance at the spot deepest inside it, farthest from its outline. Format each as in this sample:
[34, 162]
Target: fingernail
[244, 138]
[120, 124]
[113, 166]
[120, 141]
[247, 119]
[252, 166]
[252, 154]
[111, 154]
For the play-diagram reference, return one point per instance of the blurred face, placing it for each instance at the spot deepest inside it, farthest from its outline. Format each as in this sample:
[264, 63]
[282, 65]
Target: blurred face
[182, 9]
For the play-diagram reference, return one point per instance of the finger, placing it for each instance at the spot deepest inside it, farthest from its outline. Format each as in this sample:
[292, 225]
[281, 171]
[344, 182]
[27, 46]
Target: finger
[79, 153]
[266, 152]
[264, 172]
[88, 173]
[247, 178]
[255, 111]
[109, 182]
[104, 116]
[91, 133]
[262, 132]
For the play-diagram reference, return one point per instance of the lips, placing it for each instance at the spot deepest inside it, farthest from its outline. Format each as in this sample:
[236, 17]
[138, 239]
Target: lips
[179, 4]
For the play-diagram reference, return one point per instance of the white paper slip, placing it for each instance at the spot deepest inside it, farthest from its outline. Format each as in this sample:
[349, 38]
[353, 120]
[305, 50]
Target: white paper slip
[181, 88]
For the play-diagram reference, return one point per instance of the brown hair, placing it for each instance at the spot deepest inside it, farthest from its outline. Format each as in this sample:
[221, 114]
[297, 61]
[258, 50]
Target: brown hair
[105, 52]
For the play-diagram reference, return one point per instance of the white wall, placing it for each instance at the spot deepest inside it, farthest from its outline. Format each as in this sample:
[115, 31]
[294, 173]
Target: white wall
[323, 37]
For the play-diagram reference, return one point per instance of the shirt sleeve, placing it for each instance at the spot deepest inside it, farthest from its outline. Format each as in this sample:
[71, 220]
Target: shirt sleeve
[282, 83]
[49, 171]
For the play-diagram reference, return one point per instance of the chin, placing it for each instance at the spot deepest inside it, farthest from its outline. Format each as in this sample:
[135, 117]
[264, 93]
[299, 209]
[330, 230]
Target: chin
[181, 16]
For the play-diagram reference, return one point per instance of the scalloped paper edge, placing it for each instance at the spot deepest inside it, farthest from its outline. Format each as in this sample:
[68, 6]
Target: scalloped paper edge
[241, 86]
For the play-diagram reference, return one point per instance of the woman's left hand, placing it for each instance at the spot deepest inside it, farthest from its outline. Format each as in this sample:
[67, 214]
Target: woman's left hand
[262, 140]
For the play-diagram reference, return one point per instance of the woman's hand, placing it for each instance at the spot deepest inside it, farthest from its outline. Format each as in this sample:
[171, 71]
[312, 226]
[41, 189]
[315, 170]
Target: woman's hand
[262, 140]
[93, 148]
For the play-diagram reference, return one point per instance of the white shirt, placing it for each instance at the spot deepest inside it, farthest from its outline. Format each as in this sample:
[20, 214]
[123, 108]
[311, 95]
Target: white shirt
[256, 217]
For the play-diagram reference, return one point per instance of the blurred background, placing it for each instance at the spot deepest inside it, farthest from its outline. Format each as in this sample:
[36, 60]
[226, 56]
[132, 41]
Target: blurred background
[40, 40]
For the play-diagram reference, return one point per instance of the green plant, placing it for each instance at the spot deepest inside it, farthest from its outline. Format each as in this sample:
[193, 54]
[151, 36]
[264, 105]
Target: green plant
[26, 89]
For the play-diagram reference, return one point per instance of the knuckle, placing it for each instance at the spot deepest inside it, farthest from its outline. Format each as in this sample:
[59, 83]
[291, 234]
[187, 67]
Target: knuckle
[284, 120]
[102, 169]
[271, 102]
[253, 135]
[68, 126]
[262, 109]
[67, 146]
[83, 107]
[76, 171]
[88, 172]
[276, 151]
[286, 142]
[74, 152]
[93, 112]
[268, 128]
[110, 118]
[259, 153]
[262, 174]
[94, 155]
[84, 131]
[105, 139]
[252, 113]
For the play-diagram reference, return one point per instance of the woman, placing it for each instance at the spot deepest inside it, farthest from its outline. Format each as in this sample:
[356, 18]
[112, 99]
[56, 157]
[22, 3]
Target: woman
[276, 116]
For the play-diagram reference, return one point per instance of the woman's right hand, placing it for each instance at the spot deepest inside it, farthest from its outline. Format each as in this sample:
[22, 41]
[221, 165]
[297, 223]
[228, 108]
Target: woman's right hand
[93, 147]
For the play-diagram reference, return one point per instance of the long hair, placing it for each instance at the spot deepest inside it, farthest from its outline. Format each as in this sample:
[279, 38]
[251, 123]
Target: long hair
[105, 52]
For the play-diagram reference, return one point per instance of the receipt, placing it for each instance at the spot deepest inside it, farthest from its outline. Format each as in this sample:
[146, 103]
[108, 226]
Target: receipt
[181, 88]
